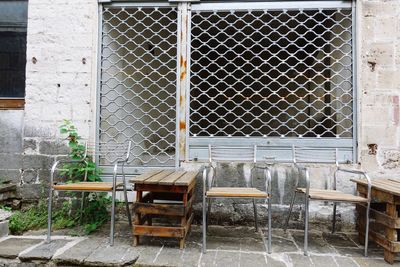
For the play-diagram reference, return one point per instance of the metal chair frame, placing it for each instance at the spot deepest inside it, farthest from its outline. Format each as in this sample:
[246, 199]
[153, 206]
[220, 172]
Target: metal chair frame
[311, 159]
[225, 156]
[97, 152]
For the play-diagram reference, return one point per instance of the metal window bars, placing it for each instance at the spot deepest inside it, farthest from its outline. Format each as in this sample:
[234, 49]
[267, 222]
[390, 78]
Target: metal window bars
[138, 81]
[272, 73]
[256, 71]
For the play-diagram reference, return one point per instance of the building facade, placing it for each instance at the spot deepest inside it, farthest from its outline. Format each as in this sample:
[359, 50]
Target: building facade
[176, 76]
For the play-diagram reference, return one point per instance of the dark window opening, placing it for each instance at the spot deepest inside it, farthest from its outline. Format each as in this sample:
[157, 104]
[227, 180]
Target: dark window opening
[13, 30]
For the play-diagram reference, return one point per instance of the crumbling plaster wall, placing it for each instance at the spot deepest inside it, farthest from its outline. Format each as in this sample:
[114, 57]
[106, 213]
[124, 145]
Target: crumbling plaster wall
[61, 83]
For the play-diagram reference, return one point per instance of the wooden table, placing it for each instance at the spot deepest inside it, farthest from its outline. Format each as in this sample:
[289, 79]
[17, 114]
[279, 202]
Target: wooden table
[385, 206]
[169, 193]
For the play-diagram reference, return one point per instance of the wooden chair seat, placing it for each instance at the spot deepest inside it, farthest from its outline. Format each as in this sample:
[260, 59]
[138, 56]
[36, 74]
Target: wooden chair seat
[244, 192]
[332, 195]
[86, 186]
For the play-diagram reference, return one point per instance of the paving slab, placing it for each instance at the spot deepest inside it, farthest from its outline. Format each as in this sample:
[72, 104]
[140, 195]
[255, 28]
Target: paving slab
[339, 240]
[79, 252]
[283, 242]
[12, 247]
[117, 255]
[274, 262]
[147, 255]
[326, 261]
[251, 259]
[345, 262]
[299, 260]
[316, 244]
[44, 251]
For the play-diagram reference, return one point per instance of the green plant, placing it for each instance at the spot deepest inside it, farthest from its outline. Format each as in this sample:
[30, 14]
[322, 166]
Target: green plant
[94, 213]
[77, 171]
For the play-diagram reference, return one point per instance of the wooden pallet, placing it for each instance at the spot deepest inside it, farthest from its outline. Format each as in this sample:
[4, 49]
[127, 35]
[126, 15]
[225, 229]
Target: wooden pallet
[163, 186]
[384, 212]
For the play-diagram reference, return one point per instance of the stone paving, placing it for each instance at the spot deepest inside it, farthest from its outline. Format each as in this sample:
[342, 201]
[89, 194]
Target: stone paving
[227, 246]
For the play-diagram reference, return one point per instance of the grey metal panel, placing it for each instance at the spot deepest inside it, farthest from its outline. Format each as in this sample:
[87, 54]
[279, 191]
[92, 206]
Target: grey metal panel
[278, 148]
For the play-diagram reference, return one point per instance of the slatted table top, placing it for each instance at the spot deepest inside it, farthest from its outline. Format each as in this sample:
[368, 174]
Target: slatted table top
[391, 186]
[166, 177]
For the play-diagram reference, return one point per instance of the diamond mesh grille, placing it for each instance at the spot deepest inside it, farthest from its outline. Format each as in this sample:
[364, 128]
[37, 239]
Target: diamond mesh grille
[271, 73]
[138, 82]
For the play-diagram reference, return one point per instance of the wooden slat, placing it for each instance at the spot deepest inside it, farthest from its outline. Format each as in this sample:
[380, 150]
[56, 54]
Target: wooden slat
[332, 195]
[379, 217]
[141, 178]
[170, 179]
[236, 192]
[382, 184]
[162, 231]
[86, 186]
[161, 188]
[159, 209]
[12, 103]
[158, 177]
[187, 179]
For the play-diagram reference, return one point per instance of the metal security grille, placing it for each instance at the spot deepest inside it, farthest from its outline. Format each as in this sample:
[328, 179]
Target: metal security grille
[138, 81]
[266, 73]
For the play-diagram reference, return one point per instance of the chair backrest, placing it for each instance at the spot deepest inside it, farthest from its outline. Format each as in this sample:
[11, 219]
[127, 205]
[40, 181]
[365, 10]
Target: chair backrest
[232, 153]
[315, 155]
[110, 151]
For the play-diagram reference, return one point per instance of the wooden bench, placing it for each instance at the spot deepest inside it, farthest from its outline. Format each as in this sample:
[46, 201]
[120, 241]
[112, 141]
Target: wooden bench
[162, 186]
[385, 194]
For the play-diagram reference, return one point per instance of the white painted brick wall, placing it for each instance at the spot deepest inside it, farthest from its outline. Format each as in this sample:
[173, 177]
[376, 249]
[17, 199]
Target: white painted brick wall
[60, 83]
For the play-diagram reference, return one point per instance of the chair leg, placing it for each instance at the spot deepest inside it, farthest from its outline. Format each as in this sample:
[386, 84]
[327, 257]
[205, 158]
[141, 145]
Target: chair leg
[306, 210]
[255, 215]
[334, 218]
[290, 211]
[112, 217]
[367, 230]
[204, 224]
[208, 213]
[49, 221]
[127, 206]
[269, 226]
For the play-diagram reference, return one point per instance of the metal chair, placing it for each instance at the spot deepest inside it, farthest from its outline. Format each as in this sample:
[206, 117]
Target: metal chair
[120, 154]
[304, 155]
[239, 154]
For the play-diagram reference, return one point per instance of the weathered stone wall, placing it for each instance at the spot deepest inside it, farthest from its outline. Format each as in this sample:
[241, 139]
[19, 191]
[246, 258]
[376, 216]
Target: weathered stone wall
[379, 86]
[61, 83]
[11, 127]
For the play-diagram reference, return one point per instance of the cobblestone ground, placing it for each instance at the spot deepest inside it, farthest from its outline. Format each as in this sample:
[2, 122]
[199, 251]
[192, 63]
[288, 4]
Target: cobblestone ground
[227, 246]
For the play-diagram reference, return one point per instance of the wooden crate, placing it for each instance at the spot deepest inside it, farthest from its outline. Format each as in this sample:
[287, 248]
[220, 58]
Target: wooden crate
[161, 187]
[384, 215]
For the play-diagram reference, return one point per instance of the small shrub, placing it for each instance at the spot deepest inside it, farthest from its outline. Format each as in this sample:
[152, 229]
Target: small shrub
[95, 211]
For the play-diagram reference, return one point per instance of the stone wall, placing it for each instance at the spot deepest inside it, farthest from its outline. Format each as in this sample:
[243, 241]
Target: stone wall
[61, 83]
[379, 85]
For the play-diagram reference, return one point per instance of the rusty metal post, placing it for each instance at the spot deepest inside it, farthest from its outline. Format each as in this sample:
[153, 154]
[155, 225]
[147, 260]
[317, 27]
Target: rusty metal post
[183, 83]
